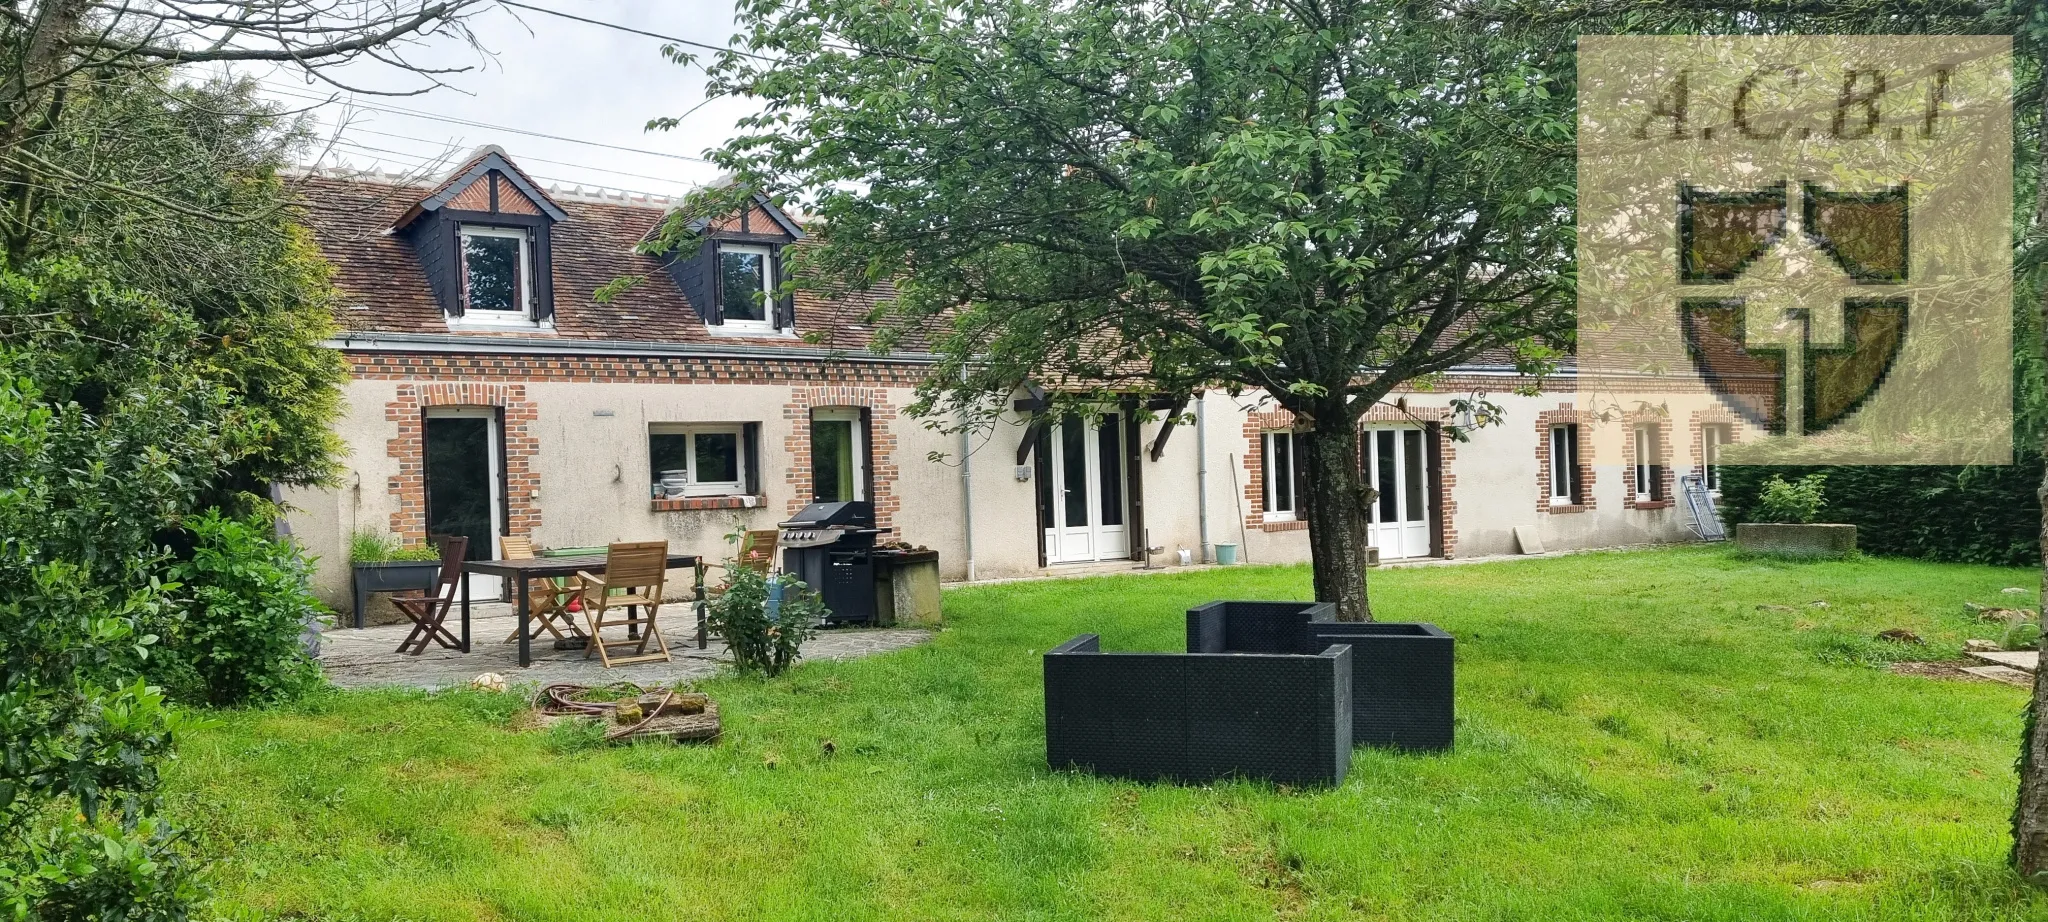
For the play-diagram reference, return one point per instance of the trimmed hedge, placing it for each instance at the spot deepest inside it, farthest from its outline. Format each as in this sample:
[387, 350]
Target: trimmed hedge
[1967, 514]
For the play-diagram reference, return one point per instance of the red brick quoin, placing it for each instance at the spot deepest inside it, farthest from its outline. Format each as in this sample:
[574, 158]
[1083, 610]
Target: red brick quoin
[408, 412]
[881, 450]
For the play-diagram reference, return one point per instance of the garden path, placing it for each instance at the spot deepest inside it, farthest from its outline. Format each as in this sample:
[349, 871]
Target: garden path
[359, 658]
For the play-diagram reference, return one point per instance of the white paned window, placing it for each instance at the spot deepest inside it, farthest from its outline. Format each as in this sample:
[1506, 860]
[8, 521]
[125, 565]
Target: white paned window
[1283, 476]
[1564, 465]
[697, 460]
[496, 272]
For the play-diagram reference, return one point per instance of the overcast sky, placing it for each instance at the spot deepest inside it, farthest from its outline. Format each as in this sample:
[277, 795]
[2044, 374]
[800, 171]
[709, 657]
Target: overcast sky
[550, 76]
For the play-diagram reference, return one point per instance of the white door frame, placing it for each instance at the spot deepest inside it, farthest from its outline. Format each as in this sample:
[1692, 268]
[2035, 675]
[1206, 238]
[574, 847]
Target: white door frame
[481, 587]
[850, 416]
[1402, 516]
[1089, 540]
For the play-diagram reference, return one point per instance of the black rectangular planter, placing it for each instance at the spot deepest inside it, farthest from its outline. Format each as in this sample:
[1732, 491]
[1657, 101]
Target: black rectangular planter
[1403, 673]
[1402, 684]
[1196, 718]
[1253, 627]
[391, 576]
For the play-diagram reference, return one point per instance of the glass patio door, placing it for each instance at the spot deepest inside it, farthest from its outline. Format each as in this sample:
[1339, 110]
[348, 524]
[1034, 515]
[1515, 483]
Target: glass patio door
[1396, 464]
[463, 477]
[1088, 491]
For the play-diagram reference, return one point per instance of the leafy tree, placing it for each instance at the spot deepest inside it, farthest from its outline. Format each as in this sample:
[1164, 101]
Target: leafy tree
[1323, 199]
[159, 355]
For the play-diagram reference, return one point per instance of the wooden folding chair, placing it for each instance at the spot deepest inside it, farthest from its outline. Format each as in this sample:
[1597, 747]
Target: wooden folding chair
[757, 550]
[547, 599]
[428, 611]
[636, 571]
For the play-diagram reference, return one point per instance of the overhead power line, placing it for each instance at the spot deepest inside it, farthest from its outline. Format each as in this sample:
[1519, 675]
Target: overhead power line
[452, 120]
[424, 160]
[522, 157]
[666, 38]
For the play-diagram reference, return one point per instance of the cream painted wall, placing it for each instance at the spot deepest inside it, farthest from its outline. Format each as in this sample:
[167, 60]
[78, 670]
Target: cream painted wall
[594, 473]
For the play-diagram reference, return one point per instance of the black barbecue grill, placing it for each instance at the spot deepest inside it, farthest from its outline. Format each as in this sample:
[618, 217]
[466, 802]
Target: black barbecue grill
[831, 547]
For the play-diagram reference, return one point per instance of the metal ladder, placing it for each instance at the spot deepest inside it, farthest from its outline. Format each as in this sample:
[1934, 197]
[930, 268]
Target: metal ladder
[1706, 521]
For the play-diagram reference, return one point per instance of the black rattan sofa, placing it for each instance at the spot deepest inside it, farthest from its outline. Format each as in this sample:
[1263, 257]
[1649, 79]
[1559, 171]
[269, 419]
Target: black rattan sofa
[1402, 684]
[1195, 718]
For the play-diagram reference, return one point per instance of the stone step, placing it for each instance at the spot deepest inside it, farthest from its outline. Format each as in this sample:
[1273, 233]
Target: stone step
[2006, 674]
[2026, 661]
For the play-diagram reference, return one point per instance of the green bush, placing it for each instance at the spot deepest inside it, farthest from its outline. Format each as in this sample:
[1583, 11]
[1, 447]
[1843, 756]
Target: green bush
[247, 603]
[369, 546]
[1962, 514]
[760, 641]
[1796, 502]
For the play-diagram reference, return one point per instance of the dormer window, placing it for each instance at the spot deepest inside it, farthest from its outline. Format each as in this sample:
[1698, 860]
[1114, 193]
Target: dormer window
[746, 286]
[735, 277]
[485, 237]
[496, 279]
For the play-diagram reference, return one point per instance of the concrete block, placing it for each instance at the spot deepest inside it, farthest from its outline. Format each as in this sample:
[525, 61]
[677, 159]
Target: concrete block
[1796, 540]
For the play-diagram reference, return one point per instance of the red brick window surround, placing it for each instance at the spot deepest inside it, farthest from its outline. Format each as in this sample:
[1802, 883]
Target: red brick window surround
[1256, 427]
[407, 411]
[1574, 484]
[1725, 428]
[879, 445]
[1646, 459]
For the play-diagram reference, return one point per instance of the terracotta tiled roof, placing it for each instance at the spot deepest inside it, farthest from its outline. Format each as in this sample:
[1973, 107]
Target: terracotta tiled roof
[385, 290]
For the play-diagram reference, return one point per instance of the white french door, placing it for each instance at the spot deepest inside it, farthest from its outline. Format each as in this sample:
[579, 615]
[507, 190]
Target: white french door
[1088, 486]
[1397, 465]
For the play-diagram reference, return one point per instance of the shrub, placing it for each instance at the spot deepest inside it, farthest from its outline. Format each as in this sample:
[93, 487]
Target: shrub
[1795, 503]
[764, 621]
[247, 605]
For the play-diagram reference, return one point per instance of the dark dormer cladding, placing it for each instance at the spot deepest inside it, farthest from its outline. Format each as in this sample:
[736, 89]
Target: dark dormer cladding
[488, 222]
[739, 256]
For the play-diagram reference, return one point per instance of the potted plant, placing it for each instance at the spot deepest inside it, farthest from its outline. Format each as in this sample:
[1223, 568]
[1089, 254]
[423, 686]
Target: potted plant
[381, 563]
[1785, 526]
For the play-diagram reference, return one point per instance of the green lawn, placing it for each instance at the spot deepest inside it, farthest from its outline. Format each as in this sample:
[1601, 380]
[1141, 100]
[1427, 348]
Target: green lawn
[1674, 734]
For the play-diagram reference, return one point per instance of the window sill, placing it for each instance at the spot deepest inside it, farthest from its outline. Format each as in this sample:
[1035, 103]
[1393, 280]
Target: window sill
[700, 503]
[474, 322]
[1285, 525]
[1653, 504]
[739, 331]
[1565, 510]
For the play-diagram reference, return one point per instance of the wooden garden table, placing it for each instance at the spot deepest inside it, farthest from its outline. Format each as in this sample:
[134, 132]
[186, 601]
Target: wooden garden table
[520, 572]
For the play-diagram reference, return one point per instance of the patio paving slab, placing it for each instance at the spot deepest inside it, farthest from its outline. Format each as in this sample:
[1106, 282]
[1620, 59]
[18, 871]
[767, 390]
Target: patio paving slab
[367, 657]
[2024, 660]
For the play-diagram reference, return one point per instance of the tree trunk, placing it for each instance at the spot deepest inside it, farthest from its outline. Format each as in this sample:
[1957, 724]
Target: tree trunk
[2030, 810]
[1338, 504]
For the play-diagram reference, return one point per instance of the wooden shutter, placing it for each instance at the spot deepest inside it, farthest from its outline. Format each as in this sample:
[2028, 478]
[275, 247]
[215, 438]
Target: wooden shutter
[454, 267]
[1134, 484]
[504, 486]
[1041, 458]
[785, 304]
[543, 273]
[713, 307]
[750, 439]
[867, 451]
